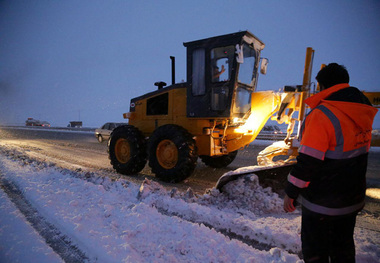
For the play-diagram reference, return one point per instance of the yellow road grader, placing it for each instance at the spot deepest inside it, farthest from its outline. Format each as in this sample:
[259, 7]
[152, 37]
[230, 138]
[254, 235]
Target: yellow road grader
[212, 115]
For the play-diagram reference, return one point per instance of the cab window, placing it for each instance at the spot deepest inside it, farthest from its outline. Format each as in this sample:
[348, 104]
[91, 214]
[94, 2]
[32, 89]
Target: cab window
[199, 83]
[247, 66]
[221, 63]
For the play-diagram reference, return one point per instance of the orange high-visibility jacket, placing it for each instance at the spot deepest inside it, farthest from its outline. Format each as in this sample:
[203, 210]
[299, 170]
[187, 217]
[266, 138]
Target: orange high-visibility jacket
[333, 153]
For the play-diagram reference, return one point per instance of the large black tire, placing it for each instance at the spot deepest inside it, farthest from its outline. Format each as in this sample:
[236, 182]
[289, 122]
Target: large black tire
[172, 153]
[127, 150]
[219, 161]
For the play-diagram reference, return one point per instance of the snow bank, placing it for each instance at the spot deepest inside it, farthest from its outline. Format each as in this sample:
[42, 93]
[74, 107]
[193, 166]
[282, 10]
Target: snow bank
[119, 221]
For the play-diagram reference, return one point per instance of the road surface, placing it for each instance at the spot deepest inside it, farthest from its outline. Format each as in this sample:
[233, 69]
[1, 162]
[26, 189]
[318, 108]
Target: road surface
[81, 149]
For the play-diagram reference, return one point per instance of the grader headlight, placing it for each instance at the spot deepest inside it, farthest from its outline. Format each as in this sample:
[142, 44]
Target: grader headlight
[250, 126]
[236, 121]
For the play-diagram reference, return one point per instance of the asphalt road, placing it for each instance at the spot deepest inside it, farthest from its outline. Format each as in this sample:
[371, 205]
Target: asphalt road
[82, 148]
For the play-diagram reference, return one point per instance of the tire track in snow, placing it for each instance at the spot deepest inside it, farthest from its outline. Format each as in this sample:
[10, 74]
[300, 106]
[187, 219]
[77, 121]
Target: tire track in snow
[241, 233]
[60, 243]
[226, 232]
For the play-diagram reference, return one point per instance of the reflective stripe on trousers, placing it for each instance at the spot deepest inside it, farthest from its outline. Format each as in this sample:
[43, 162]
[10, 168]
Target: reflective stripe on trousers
[331, 211]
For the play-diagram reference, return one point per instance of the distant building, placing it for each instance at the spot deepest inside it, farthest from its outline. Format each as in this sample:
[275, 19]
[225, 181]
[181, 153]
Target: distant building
[75, 124]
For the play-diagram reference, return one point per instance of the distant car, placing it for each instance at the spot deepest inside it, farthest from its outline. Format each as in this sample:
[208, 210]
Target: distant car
[103, 133]
[273, 129]
[45, 124]
[34, 122]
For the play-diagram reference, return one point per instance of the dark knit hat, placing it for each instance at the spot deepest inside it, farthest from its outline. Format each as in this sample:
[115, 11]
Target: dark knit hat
[332, 74]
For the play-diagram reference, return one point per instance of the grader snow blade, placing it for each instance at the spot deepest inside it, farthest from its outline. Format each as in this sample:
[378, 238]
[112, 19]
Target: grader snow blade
[274, 165]
[274, 176]
[276, 160]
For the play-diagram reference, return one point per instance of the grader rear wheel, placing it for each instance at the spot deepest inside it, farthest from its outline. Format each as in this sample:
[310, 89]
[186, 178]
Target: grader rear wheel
[167, 154]
[172, 153]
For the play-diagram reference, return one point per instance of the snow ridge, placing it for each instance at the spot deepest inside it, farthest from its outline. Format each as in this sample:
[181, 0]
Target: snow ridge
[258, 224]
[129, 213]
[115, 220]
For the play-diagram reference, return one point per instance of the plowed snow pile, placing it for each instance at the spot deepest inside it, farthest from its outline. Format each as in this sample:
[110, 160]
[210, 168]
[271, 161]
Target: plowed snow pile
[119, 221]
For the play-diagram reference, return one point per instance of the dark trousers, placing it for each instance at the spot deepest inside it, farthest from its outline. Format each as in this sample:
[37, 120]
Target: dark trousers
[327, 238]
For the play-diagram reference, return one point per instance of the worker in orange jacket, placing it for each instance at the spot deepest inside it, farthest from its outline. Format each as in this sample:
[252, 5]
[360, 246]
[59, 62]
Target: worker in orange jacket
[329, 176]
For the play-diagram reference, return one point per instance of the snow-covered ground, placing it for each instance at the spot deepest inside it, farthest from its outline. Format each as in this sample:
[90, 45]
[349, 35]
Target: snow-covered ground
[119, 221]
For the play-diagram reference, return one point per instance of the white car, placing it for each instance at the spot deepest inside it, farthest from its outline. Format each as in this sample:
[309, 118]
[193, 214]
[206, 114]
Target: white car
[103, 133]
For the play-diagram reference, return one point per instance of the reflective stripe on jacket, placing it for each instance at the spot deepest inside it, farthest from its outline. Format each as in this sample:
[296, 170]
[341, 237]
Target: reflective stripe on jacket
[332, 161]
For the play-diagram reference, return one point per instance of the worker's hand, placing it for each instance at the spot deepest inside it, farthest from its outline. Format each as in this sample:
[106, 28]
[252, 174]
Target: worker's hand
[289, 204]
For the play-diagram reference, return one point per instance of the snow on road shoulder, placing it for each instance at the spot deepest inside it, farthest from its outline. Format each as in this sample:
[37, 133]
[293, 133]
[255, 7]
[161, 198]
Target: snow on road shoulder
[110, 222]
[117, 221]
[244, 209]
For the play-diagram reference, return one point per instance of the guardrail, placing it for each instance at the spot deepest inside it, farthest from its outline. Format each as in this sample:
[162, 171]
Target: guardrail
[271, 136]
[84, 129]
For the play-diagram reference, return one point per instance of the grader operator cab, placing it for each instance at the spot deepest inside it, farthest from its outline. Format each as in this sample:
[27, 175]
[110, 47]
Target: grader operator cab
[214, 114]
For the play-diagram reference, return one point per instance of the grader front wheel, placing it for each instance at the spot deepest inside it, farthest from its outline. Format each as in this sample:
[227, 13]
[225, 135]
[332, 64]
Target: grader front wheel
[127, 150]
[122, 150]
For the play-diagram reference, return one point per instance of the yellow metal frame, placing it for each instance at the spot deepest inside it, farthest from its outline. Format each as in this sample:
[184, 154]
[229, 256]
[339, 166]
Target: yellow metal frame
[374, 98]
[220, 136]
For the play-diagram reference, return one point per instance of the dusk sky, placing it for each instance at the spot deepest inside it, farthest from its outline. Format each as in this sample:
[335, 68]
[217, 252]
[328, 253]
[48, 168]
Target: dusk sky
[69, 60]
